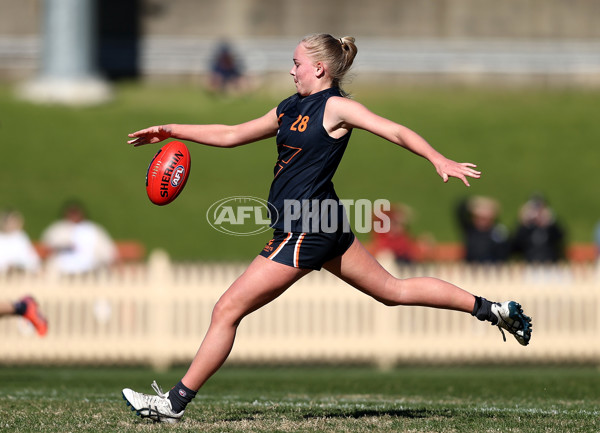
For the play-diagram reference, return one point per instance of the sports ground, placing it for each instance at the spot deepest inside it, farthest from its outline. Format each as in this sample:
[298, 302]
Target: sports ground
[312, 399]
[524, 141]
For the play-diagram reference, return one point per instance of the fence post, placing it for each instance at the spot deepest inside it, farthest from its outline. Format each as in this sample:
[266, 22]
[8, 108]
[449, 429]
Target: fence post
[160, 273]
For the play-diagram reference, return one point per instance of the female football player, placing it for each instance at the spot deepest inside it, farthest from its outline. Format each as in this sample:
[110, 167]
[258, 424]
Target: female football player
[312, 129]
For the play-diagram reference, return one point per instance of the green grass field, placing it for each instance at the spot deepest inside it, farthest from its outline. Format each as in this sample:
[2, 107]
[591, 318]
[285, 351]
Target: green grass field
[524, 141]
[311, 399]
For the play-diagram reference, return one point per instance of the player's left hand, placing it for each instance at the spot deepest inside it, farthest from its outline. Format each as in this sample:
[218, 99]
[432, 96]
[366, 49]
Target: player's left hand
[448, 168]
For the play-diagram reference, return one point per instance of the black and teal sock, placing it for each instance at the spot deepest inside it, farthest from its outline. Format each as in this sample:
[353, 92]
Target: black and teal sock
[20, 307]
[179, 396]
[483, 310]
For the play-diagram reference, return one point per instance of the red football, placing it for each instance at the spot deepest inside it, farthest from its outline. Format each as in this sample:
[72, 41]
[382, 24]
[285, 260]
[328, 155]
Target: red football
[168, 172]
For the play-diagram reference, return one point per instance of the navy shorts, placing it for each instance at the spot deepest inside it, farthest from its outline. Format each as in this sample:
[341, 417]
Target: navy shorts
[306, 250]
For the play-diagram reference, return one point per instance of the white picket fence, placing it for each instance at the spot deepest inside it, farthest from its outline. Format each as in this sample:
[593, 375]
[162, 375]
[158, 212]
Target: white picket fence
[157, 314]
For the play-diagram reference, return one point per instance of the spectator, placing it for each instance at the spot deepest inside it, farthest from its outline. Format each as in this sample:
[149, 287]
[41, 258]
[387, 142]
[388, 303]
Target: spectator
[484, 238]
[76, 244]
[539, 238]
[16, 250]
[226, 72]
[28, 308]
[398, 240]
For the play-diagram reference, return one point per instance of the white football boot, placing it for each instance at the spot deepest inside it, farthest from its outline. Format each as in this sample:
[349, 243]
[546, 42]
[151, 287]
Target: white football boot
[156, 407]
[510, 317]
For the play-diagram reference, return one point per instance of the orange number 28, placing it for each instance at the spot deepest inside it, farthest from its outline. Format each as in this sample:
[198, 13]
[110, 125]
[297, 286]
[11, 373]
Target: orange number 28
[301, 123]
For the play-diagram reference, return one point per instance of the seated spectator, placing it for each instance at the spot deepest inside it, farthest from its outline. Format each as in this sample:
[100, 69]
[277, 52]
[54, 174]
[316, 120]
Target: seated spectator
[28, 308]
[76, 244]
[17, 253]
[226, 72]
[538, 238]
[398, 240]
[484, 238]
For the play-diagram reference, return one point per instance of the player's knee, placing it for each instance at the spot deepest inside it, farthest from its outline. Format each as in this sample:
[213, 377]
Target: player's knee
[226, 313]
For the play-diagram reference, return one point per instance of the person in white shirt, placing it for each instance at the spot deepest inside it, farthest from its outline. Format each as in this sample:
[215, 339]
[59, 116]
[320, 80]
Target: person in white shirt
[16, 249]
[76, 244]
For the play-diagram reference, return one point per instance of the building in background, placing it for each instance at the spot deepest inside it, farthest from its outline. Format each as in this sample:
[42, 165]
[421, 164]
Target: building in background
[67, 70]
[539, 41]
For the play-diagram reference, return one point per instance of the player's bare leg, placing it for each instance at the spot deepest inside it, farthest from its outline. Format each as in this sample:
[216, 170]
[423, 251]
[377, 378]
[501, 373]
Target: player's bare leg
[262, 282]
[6, 308]
[359, 268]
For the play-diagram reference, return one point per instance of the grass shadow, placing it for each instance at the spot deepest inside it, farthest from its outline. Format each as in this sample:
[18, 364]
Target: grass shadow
[362, 413]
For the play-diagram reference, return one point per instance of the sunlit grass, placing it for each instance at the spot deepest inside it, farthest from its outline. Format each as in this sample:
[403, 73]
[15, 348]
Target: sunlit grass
[309, 399]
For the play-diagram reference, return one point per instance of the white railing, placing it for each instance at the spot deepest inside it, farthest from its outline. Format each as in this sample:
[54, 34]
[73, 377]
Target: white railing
[157, 314]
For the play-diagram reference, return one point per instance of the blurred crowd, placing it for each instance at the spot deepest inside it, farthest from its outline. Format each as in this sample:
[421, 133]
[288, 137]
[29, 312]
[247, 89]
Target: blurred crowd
[536, 237]
[73, 244]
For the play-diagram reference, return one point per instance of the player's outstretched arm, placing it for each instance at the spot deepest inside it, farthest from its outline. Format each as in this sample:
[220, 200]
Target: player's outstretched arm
[210, 135]
[350, 114]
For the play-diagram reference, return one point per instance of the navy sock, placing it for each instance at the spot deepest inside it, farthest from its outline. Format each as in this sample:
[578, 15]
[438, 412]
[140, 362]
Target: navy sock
[483, 310]
[179, 396]
[20, 307]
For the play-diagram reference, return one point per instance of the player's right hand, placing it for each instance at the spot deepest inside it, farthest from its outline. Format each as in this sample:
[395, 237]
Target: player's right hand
[154, 134]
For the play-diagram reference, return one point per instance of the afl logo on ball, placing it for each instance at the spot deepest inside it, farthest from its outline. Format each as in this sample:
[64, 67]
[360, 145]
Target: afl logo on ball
[177, 175]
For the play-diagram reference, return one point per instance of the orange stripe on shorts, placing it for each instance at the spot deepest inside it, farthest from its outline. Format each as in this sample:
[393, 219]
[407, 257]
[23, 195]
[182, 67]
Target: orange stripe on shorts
[281, 245]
